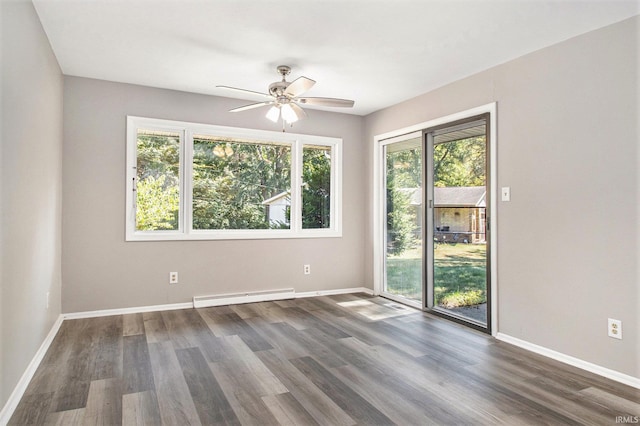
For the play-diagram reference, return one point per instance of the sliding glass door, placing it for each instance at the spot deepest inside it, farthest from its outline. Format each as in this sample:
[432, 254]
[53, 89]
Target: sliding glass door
[457, 190]
[404, 260]
[437, 252]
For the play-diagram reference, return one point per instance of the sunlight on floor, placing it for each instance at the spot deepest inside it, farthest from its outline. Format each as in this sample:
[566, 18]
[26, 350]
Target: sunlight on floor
[375, 312]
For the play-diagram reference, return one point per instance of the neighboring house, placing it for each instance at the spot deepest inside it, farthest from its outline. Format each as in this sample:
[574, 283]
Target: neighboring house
[459, 213]
[278, 208]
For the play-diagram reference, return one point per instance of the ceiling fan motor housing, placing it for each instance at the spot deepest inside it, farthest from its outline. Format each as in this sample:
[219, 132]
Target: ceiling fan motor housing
[277, 89]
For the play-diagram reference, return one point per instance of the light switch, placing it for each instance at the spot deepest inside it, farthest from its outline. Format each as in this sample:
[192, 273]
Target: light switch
[506, 193]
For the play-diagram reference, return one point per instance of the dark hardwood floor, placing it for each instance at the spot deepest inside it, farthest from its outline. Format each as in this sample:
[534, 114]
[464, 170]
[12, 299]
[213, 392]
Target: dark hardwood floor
[340, 360]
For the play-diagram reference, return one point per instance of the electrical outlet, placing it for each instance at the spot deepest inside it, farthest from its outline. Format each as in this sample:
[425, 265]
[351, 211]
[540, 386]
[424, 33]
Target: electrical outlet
[173, 278]
[307, 269]
[614, 328]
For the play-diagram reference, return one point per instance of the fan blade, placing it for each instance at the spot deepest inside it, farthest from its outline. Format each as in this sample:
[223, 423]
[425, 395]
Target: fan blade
[246, 92]
[250, 106]
[329, 102]
[299, 86]
[299, 111]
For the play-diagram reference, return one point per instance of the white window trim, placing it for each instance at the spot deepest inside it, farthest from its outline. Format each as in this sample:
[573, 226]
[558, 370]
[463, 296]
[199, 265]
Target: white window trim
[185, 231]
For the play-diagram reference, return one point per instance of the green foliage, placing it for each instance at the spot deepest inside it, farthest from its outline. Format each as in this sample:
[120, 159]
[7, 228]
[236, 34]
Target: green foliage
[406, 166]
[404, 274]
[316, 193]
[404, 169]
[400, 220]
[459, 298]
[157, 196]
[460, 274]
[231, 180]
[157, 204]
[158, 154]
[460, 163]
[456, 163]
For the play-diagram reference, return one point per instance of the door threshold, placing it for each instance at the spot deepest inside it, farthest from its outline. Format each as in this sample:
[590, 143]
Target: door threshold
[403, 300]
[460, 319]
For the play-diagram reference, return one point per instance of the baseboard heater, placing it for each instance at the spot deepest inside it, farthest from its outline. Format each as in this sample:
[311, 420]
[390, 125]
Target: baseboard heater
[244, 297]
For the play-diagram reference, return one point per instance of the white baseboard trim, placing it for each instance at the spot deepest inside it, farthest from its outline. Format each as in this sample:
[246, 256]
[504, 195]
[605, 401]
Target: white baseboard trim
[334, 292]
[243, 297]
[220, 300]
[21, 387]
[123, 311]
[576, 362]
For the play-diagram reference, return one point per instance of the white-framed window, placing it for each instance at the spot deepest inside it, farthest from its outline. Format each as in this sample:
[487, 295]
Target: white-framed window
[189, 181]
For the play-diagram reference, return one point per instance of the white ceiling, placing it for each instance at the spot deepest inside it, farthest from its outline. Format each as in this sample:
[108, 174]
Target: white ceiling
[377, 52]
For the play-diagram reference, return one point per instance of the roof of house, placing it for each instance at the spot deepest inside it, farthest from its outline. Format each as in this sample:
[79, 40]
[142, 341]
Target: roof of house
[276, 197]
[460, 196]
[452, 196]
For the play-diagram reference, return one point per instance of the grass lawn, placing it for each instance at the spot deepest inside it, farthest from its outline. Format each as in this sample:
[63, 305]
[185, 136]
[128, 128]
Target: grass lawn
[460, 274]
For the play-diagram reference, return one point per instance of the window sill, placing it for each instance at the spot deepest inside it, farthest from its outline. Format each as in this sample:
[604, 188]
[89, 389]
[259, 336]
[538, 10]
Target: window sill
[232, 235]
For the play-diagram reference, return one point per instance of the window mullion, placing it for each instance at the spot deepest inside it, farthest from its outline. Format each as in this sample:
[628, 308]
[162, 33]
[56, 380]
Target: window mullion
[186, 186]
[131, 175]
[336, 188]
[296, 186]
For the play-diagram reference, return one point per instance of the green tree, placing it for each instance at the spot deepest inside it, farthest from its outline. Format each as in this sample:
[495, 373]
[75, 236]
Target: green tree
[157, 204]
[400, 221]
[407, 167]
[157, 178]
[460, 163]
[231, 180]
[316, 193]
[404, 175]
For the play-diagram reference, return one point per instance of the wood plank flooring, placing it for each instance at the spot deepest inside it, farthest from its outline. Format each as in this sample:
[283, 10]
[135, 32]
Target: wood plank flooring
[339, 360]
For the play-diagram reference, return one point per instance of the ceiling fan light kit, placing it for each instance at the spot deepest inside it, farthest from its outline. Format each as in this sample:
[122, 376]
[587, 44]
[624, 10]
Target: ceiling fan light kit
[288, 114]
[284, 98]
[274, 114]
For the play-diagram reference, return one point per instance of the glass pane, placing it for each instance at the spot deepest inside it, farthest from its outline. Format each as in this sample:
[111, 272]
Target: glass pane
[158, 180]
[316, 190]
[240, 184]
[460, 247]
[404, 219]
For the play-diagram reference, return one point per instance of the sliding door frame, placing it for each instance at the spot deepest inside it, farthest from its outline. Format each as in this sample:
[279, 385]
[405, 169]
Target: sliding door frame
[429, 210]
[379, 208]
[383, 146]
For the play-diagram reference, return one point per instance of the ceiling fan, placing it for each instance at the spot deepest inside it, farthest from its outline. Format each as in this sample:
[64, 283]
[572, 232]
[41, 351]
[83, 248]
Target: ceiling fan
[285, 98]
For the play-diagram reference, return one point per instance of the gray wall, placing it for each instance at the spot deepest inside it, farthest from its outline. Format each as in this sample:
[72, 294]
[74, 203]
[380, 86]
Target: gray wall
[31, 190]
[568, 148]
[102, 271]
